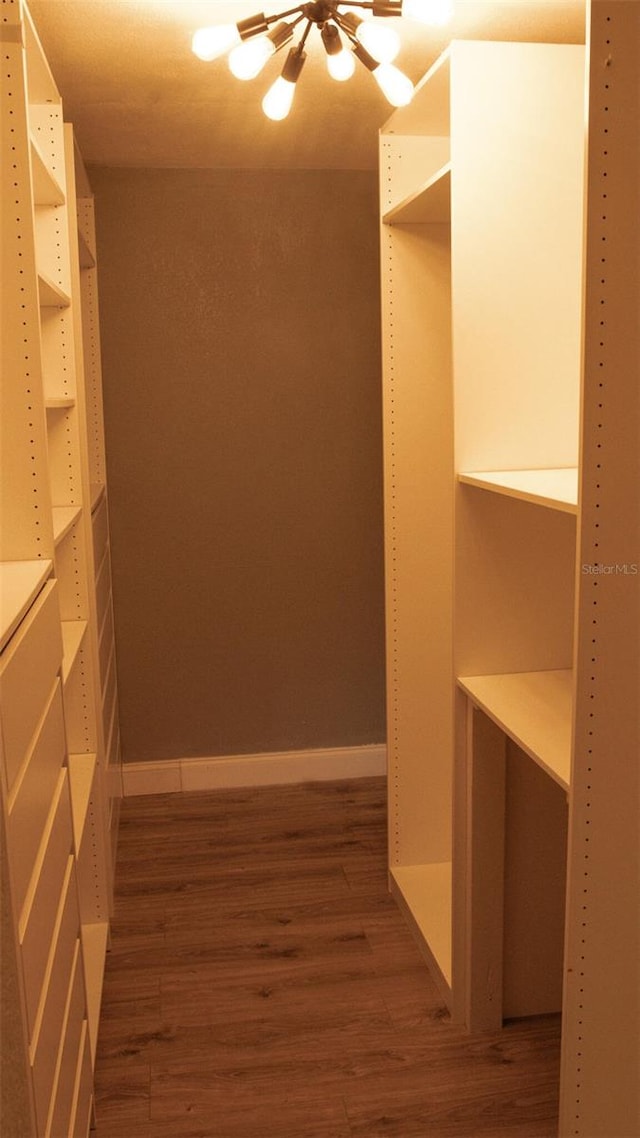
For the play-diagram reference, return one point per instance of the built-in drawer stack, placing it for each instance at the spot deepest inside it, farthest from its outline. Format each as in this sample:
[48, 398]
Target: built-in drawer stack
[42, 869]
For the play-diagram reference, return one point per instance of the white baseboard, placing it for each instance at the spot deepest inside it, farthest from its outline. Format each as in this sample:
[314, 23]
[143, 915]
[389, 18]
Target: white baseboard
[175, 775]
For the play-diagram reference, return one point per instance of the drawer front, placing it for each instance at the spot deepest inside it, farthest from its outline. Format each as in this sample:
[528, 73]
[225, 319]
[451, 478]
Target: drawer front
[49, 1041]
[82, 1120]
[72, 1053]
[29, 808]
[43, 899]
[29, 665]
[100, 533]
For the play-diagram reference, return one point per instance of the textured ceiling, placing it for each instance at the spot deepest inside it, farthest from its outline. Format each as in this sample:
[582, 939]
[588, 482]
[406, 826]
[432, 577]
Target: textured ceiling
[139, 97]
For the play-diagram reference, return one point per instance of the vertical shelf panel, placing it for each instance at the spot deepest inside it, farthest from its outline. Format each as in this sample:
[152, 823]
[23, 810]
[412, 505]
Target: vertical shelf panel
[602, 988]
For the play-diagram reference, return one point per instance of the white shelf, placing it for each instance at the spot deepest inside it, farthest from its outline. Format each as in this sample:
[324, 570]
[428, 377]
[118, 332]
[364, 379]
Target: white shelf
[40, 82]
[96, 492]
[94, 949]
[85, 256]
[46, 187]
[20, 583]
[50, 294]
[81, 774]
[431, 202]
[64, 517]
[60, 403]
[557, 489]
[72, 635]
[424, 893]
[535, 710]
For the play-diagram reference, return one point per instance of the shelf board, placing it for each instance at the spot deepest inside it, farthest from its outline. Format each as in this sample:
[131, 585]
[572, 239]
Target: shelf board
[556, 489]
[85, 256]
[97, 490]
[40, 82]
[431, 202]
[424, 893]
[72, 634]
[20, 583]
[535, 710]
[46, 187]
[81, 774]
[94, 949]
[64, 517]
[60, 403]
[50, 294]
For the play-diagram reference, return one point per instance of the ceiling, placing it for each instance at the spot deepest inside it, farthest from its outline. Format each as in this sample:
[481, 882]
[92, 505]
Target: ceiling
[138, 96]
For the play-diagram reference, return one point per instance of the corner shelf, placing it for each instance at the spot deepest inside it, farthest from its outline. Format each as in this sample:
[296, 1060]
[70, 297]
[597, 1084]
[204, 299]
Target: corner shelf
[46, 187]
[431, 202]
[59, 403]
[81, 774]
[50, 294]
[96, 491]
[64, 518]
[72, 636]
[85, 256]
[535, 710]
[557, 489]
[20, 583]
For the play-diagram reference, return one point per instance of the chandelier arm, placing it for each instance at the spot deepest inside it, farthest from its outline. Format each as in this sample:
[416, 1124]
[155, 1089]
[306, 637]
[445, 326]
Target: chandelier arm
[283, 15]
[344, 27]
[378, 7]
[303, 38]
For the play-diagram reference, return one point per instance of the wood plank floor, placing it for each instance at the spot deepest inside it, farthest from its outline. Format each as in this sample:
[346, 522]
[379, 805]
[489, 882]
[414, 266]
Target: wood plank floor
[262, 984]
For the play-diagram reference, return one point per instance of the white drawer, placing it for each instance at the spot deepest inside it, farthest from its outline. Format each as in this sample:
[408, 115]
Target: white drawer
[28, 667]
[82, 1120]
[37, 925]
[30, 807]
[49, 1040]
[72, 1053]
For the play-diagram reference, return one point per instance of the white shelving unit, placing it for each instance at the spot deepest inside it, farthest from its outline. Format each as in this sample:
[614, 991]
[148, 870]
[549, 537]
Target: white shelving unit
[506, 638]
[88, 332]
[57, 760]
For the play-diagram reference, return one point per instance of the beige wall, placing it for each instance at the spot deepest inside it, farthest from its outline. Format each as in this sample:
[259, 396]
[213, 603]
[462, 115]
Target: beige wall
[240, 326]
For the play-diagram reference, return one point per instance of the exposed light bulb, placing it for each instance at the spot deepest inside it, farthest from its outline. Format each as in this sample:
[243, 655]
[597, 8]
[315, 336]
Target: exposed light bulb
[381, 43]
[278, 99]
[436, 12]
[394, 84]
[247, 60]
[209, 43]
[340, 63]
[341, 66]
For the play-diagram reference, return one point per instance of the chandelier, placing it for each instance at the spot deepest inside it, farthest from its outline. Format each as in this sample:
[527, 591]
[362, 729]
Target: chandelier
[346, 36]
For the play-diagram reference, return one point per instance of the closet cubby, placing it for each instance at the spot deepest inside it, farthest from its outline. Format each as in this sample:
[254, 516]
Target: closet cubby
[497, 188]
[481, 188]
[57, 794]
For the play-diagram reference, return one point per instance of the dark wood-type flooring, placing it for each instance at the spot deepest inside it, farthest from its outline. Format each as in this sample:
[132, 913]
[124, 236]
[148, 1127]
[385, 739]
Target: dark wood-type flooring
[261, 983]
